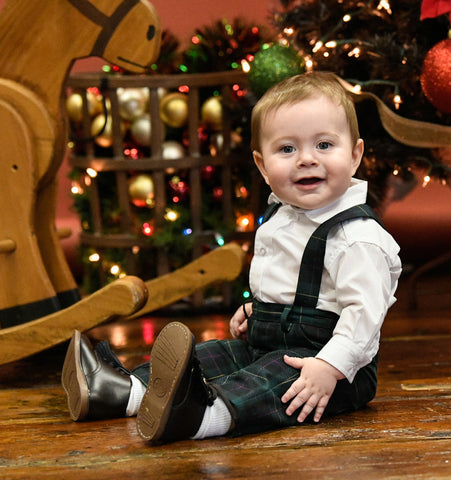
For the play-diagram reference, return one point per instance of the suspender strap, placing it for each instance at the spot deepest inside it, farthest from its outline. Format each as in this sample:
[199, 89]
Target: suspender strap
[312, 264]
[270, 211]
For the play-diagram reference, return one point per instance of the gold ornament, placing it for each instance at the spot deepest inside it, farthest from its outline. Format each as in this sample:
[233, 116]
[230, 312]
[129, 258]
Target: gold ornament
[211, 113]
[141, 190]
[141, 130]
[74, 106]
[104, 139]
[174, 109]
[172, 150]
[132, 102]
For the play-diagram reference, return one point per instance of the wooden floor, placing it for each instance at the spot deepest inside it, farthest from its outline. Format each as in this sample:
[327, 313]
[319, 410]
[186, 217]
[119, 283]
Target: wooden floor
[404, 433]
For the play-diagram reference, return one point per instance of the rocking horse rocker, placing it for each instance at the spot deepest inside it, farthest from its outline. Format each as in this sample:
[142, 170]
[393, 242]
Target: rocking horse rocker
[39, 301]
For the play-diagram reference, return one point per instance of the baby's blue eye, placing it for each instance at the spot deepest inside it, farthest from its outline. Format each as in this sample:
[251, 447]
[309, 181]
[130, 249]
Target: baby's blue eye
[287, 149]
[323, 145]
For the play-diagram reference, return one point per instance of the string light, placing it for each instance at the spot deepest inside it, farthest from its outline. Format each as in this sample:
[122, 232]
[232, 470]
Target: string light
[171, 215]
[91, 172]
[76, 188]
[115, 269]
[219, 239]
[384, 5]
[94, 257]
[245, 223]
[397, 101]
[131, 153]
[147, 229]
[426, 180]
[87, 179]
[317, 46]
[245, 66]
[241, 191]
[228, 28]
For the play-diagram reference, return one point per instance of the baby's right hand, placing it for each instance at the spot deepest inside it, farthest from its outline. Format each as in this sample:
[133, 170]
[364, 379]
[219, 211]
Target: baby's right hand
[238, 323]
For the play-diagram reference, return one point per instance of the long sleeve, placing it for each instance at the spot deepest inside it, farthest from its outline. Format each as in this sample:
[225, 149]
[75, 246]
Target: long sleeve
[365, 281]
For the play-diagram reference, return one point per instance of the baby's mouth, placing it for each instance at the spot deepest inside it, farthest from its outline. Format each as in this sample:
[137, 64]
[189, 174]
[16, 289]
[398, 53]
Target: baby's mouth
[309, 181]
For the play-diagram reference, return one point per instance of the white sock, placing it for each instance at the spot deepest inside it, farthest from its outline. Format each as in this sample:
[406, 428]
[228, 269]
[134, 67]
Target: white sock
[137, 392]
[216, 421]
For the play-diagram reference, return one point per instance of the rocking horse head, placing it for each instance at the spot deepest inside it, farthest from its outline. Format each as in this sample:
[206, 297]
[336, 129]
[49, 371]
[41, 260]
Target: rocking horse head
[129, 35]
[39, 41]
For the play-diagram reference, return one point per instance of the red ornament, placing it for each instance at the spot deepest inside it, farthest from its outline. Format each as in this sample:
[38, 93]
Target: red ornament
[436, 76]
[434, 8]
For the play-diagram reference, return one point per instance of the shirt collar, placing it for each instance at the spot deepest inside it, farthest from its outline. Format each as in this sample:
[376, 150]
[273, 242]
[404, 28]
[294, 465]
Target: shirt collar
[354, 195]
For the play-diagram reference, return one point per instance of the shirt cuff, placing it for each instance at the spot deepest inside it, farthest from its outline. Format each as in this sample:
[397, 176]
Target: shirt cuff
[344, 355]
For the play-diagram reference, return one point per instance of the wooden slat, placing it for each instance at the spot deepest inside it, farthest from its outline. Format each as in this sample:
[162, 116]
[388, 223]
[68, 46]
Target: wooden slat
[212, 79]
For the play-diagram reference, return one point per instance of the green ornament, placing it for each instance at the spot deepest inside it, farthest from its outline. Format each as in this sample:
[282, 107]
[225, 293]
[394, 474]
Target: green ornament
[272, 65]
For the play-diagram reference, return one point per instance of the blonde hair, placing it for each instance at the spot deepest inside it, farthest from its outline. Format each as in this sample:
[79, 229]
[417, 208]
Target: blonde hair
[298, 88]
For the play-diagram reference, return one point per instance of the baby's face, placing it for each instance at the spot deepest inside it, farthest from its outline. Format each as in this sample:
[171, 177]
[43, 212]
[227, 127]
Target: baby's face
[307, 156]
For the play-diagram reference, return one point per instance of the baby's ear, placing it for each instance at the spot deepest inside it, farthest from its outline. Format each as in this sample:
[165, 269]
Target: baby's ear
[258, 159]
[357, 154]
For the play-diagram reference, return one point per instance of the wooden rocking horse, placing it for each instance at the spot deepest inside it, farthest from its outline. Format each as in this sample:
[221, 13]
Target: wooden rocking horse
[39, 301]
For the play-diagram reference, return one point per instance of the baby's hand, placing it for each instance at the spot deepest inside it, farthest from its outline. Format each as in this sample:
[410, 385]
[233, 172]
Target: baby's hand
[313, 388]
[238, 323]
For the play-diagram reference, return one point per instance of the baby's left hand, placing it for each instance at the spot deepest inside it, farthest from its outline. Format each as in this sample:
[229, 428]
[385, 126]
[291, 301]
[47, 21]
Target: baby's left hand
[313, 388]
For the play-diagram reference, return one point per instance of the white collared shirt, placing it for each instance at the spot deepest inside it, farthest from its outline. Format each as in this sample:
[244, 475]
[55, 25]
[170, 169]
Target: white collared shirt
[361, 271]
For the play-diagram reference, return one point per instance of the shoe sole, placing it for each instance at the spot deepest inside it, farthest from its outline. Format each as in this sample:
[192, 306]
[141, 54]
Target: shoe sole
[74, 381]
[169, 357]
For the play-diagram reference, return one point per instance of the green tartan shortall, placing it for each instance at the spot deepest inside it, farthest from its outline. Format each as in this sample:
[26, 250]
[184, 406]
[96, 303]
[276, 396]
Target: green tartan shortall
[252, 375]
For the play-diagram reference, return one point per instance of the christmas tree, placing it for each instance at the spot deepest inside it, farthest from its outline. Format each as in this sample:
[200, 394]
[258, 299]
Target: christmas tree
[380, 46]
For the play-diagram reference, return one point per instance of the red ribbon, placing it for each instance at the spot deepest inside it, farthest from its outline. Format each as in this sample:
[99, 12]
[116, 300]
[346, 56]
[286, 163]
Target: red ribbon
[434, 8]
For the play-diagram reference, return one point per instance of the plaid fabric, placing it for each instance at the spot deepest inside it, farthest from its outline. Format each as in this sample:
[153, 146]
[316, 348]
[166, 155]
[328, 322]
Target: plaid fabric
[254, 384]
[273, 326]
